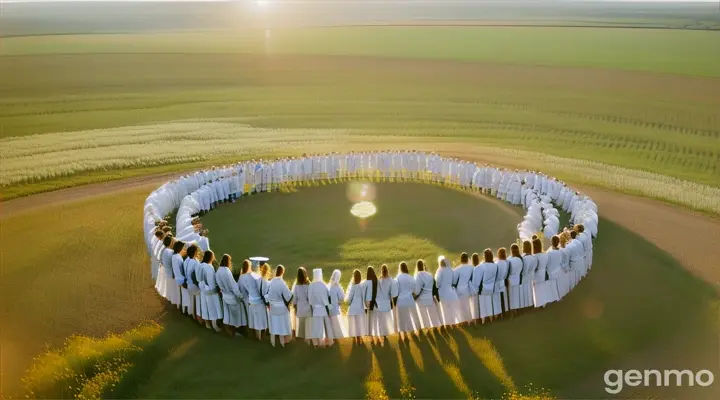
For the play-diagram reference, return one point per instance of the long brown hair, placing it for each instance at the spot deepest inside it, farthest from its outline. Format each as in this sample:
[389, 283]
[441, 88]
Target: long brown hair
[403, 267]
[279, 270]
[226, 261]
[527, 247]
[357, 277]
[515, 250]
[502, 254]
[245, 266]
[384, 271]
[555, 241]
[420, 265]
[476, 259]
[208, 257]
[302, 277]
[488, 255]
[537, 246]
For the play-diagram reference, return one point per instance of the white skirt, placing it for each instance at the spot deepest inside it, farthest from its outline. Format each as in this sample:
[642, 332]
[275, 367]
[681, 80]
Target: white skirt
[514, 296]
[302, 324]
[318, 327]
[463, 312]
[336, 330]
[211, 308]
[474, 307]
[381, 323]
[497, 301]
[545, 292]
[160, 285]
[280, 324]
[234, 315]
[526, 293]
[187, 301]
[563, 284]
[408, 319]
[173, 292]
[257, 317]
[199, 305]
[486, 305]
[449, 310]
[357, 325]
[429, 315]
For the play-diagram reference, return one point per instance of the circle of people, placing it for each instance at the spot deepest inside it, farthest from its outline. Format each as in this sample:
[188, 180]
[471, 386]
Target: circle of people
[481, 287]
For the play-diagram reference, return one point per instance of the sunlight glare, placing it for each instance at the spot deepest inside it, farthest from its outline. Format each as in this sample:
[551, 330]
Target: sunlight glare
[363, 209]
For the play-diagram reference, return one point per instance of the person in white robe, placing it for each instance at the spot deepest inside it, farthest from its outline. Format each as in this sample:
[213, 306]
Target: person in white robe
[447, 293]
[566, 260]
[257, 314]
[556, 275]
[487, 288]
[212, 309]
[379, 297]
[155, 241]
[234, 315]
[279, 299]
[514, 279]
[475, 287]
[357, 319]
[586, 240]
[544, 291]
[530, 264]
[172, 289]
[337, 295]
[408, 319]
[301, 303]
[461, 278]
[179, 273]
[193, 275]
[500, 298]
[577, 256]
[319, 298]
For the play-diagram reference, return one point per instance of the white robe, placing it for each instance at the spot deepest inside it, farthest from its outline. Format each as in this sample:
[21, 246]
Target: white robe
[278, 297]
[234, 313]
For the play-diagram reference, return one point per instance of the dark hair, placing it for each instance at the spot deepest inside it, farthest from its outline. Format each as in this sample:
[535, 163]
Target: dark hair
[464, 258]
[357, 277]
[420, 265]
[580, 228]
[167, 241]
[476, 259]
[159, 234]
[488, 255]
[403, 267]
[178, 246]
[166, 229]
[537, 246]
[555, 241]
[527, 247]
[279, 270]
[370, 274]
[192, 250]
[245, 266]
[208, 257]
[573, 234]
[384, 271]
[502, 254]
[533, 237]
[226, 261]
[302, 277]
[515, 250]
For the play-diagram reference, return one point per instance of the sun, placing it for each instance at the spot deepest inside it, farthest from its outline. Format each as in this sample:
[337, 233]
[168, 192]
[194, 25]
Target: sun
[262, 3]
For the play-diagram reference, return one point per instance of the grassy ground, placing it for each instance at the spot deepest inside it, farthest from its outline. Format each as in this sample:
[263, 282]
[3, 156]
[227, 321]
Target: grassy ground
[633, 49]
[637, 300]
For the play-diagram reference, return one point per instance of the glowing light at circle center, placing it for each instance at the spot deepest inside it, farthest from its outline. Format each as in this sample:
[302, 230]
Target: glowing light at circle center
[363, 209]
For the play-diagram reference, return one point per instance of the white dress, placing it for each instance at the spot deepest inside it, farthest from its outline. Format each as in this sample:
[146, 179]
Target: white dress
[212, 309]
[172, 290]
[337, 295]
[544, 291]
[192, 276]
[448, 296]
[427, 307]
[257, 314]
[279, 297]
[500, 299]
[461, 275]
[233, 310]
[530, 264]
[408, 319]
[320, 325]
[303, 311]
[380, 314]
[514, 288]
[357, 318]
[557, 278]
[488, 289]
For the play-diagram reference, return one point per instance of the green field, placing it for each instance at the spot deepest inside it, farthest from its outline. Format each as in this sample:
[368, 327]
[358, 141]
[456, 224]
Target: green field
[665, 123]
[608, 321]
[176, 89]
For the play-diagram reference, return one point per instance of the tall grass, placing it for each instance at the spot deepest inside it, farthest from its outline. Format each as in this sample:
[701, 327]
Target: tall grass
[86, 368]
[37, 158]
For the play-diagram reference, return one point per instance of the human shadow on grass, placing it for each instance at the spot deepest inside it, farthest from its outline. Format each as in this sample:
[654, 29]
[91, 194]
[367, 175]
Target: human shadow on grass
[635, 298]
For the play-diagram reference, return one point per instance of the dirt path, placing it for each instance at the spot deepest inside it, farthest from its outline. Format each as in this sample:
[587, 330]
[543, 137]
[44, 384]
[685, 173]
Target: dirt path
[690, 237]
